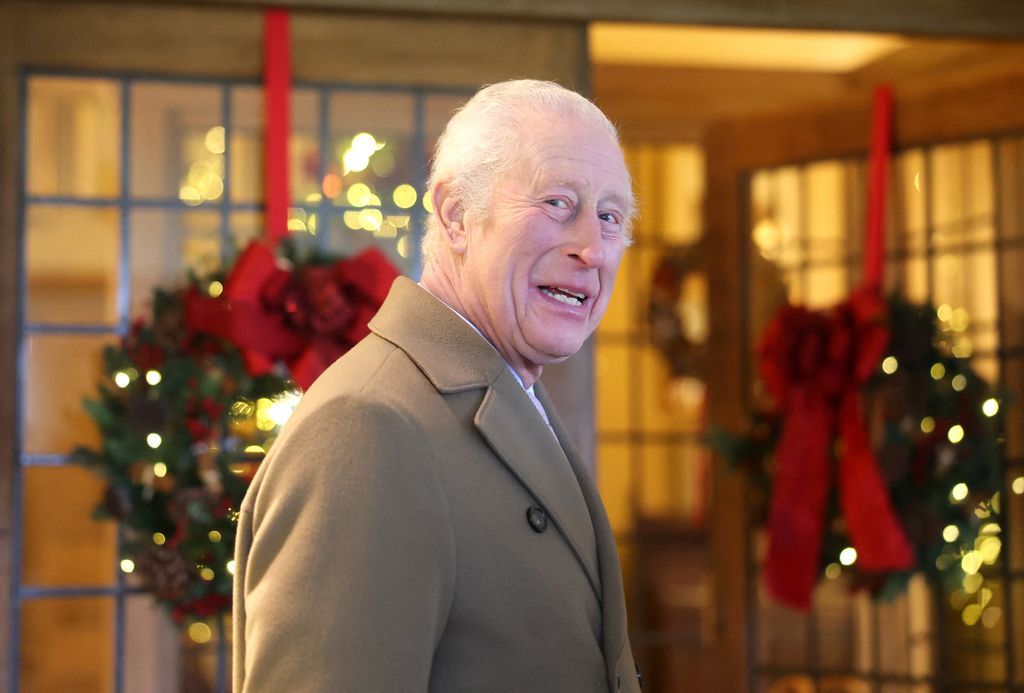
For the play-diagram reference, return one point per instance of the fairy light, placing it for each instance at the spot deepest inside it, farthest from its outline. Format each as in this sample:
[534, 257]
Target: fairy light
[959, 492]
[154, 440]
[890, 365]
[200, 633]
[848, 556]
[990, 407]
[955, 434]
[122, 379]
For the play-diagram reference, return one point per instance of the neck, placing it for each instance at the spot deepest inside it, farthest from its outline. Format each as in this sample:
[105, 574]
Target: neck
[443, 283]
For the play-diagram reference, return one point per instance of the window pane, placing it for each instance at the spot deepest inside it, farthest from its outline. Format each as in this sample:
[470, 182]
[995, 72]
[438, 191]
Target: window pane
[74, 137]
[371, 141]
[612, 368]
[615, 479]
[165, 246]
[61, 371]
[177, 142]
[825, 201]
[304, 147]
[71, 258]
[1012, 270]
[67, 645]
[909, 221]
[674, 482]
[63, 544]
[152, 656]
[351, 231]
[246, 144]
[669, 404]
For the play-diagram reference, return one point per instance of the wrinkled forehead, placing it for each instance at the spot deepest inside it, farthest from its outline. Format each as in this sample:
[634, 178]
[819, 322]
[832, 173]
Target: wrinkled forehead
[574, 151]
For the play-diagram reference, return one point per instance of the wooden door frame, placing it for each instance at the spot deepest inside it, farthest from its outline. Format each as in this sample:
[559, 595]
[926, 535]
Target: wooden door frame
[924, 114]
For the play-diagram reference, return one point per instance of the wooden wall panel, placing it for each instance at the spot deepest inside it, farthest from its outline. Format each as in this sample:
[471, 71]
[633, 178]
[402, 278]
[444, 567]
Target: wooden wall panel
[979, 18]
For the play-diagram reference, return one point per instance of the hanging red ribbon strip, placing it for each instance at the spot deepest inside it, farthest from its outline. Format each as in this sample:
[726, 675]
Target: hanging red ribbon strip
[878, 184]
[814, 364]
[277, 69]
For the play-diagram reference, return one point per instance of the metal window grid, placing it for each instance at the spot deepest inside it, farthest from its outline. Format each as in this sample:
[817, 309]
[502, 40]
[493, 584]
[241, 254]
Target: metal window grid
[125, 202]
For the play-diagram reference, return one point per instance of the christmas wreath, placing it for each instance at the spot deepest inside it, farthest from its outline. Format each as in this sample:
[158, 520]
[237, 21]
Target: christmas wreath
[193, 396]
[676, 317]
[933, 426]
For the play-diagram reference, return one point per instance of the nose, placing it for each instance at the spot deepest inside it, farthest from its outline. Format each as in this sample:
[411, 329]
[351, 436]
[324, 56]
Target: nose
[586, 244]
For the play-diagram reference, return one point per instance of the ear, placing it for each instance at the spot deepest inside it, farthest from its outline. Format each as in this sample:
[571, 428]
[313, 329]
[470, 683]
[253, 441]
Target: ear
[451, 216]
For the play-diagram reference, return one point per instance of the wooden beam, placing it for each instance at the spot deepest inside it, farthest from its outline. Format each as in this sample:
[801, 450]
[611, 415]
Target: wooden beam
[991, 18]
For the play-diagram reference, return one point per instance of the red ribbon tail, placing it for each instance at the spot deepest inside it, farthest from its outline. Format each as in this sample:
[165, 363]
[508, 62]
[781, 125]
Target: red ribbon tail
[277, 94]
[799, 496]
[871, 522]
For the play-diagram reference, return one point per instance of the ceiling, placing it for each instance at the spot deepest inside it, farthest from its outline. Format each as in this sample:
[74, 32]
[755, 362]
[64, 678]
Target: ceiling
[746, 49]
[669, 82]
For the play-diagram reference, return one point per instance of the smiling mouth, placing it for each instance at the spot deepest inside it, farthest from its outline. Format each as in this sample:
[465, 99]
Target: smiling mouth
[567, 297]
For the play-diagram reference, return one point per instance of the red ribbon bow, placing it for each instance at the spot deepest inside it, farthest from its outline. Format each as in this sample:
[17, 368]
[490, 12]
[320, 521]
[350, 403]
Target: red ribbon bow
[306, 318]
[814, 364]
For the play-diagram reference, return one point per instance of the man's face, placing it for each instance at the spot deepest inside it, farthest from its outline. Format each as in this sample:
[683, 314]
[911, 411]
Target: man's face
[540, 264]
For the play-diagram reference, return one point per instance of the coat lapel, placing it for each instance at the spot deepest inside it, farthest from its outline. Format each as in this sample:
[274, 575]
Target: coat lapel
[614, 629]
[511, 425]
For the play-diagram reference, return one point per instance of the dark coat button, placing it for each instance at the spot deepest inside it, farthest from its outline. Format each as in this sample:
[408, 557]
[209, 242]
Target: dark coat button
[537, 518]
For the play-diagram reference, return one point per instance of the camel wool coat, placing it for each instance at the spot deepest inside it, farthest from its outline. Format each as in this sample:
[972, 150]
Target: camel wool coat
[417, 527]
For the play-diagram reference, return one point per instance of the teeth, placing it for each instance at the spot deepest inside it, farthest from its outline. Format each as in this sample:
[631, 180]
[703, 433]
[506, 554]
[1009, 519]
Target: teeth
[567, 297]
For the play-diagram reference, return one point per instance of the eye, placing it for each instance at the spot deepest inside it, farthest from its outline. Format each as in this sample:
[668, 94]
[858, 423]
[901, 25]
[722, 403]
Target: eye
[609, 217]
[558, 202]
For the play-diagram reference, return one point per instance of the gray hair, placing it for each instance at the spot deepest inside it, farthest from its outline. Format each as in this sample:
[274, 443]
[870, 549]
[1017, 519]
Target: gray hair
[482, 141]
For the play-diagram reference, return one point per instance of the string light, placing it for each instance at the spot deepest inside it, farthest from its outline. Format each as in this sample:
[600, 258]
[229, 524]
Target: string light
[959, 492]
[848, 556]
[153, 377]
[959, 382]
[927, 424]
[200, 633]
[951, 533]
[231, 567]
[160, 469]
[159, 538]
[127, 565]
[153, 440]
[990, 407]
[889, 365]
[938, 371]
[1017, 486]
[404, 196]
[955, 434]
[214, 536]
[122, 379]
[833, 571]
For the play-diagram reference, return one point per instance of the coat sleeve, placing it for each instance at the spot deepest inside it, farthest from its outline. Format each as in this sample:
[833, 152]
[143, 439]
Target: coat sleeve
[345, 559]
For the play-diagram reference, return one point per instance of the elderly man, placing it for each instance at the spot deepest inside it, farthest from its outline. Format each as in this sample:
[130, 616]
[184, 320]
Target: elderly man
[423, 522]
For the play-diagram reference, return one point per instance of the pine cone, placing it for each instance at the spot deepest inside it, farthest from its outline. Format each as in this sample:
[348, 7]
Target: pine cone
[164, 571]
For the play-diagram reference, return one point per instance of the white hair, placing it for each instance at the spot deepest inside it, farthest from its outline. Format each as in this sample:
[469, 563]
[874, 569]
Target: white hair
[482, 141]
